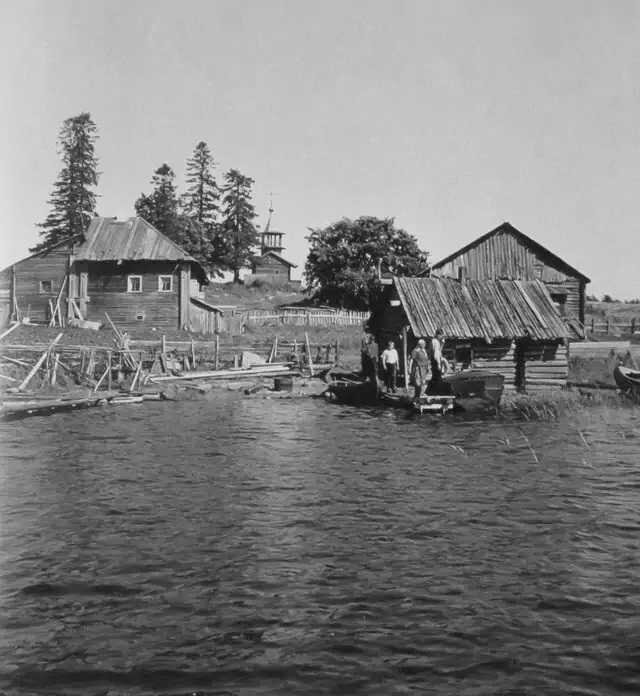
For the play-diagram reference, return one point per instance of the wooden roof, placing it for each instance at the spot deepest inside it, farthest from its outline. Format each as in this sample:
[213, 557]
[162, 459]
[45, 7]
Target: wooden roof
[108, 239]
[487, 309]
[507, 227]
[276, 256]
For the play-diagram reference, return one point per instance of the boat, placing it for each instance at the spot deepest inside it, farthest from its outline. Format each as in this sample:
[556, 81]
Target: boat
[354, 392]
[474, 388]
[628, 380]
[438, 404]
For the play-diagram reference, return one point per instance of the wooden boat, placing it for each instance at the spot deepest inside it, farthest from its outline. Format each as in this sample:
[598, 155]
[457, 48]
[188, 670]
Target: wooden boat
[474, 388]
[628, 380]
[438, 404]
[357, 393]
[16, 410]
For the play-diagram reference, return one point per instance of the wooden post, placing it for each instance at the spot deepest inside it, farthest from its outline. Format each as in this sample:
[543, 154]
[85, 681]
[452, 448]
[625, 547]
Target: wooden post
[109, 375]
[633, 326]
[337, 351]
[193, 355]
[404, 358]
[14, 299]
[607, 326]
[54, 370]
[306, 340]
[217, 351]
[183, 308]
[235, 360]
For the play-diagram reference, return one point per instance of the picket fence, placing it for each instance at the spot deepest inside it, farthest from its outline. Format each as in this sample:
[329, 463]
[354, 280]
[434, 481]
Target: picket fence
[305, 317]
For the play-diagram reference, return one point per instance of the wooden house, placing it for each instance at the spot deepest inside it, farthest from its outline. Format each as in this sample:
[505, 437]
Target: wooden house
[505, 253]
[508, 326]
[127, 269]
[270, 265]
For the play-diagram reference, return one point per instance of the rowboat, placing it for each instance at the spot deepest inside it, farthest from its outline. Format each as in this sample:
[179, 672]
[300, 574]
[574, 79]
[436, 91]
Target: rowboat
[628, 380]
[474, 388]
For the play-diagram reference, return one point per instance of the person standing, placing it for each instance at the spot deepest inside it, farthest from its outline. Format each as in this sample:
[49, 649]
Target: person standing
[390, 366]
[369, 357]
[436, 360]
[419, 367]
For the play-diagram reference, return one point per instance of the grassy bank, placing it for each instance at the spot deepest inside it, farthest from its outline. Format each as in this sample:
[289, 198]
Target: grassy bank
[551, 405]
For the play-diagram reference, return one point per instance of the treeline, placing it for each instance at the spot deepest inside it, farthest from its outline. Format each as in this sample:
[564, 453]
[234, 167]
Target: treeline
[211, 220]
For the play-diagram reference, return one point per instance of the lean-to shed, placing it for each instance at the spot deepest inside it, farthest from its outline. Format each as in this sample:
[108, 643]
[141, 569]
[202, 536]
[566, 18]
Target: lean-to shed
[505, 253]
[508, 326]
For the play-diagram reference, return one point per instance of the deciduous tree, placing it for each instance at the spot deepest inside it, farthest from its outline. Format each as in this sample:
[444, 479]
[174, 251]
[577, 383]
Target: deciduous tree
[344, 259]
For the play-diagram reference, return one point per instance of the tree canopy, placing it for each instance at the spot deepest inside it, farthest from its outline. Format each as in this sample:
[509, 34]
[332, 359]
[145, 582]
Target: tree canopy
[344, 259]
[73, 202]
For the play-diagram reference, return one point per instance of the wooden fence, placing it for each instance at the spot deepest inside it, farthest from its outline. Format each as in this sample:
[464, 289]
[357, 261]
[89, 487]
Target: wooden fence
[305, 317]
[607, 327]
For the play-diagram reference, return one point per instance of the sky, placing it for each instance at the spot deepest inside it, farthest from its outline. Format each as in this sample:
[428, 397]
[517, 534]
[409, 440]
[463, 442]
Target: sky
[451, 117]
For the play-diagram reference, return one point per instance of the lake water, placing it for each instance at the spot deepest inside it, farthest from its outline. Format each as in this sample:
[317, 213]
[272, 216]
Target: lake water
[246, 546]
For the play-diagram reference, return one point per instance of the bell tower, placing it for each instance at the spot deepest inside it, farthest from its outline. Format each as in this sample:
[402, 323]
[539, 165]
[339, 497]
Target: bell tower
[270, 240]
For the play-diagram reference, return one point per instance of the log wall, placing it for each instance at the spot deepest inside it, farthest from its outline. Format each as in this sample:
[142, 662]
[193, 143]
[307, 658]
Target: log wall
[108, 292]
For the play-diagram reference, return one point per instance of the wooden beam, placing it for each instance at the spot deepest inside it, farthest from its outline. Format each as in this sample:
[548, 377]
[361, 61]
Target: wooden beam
[41, 359]
[306, 339]
[9, 330]
[404, 357]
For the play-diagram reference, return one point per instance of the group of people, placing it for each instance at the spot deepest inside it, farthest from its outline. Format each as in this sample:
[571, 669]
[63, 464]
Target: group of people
[426, 365]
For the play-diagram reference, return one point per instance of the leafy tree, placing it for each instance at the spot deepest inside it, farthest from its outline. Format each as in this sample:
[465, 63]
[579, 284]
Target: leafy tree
[73, 203]
[160, 207]
[344, 259]
[237, 236]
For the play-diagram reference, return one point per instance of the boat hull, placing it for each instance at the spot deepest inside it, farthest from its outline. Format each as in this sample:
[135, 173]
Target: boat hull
[475, 389]
[628, 380]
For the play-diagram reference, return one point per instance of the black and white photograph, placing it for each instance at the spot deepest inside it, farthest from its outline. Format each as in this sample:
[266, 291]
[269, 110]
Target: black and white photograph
[319, 348]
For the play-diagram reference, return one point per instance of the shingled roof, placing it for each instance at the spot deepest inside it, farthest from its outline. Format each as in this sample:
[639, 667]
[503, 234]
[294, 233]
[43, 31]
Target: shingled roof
[487, 309]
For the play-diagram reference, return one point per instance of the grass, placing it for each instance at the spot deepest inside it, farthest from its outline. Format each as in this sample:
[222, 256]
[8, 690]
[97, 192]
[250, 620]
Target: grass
[551, 405]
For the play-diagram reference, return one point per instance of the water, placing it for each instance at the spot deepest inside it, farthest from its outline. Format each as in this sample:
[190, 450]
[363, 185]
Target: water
[240, 546]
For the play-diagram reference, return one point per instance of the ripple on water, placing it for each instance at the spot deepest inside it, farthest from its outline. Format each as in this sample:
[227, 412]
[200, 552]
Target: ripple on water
[226, 547]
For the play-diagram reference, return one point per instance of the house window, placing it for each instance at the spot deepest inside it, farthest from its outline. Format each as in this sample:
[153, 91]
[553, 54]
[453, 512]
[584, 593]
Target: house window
[134, 283]
[46, 286]
[165, 283]
[560, 302]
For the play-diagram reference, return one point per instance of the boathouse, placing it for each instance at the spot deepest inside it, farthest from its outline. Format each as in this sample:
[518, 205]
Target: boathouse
[125, 268]
[505, 253]
[508, 326]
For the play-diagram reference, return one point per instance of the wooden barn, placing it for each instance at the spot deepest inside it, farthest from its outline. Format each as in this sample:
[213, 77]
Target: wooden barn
[125, 268]
[505, 253]
[507, 326]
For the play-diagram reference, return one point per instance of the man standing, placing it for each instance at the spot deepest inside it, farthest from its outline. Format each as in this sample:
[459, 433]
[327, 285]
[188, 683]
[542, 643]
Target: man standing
[369, 356]
[436, 360]
[390, 366]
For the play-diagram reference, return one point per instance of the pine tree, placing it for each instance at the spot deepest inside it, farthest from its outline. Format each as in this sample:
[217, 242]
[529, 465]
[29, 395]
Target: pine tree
[72, 201]
[160, 207]
[238, 235]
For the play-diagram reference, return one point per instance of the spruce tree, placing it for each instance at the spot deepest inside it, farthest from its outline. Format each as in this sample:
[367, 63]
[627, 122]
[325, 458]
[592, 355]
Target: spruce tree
[160, 207]
[200, 207]
[238, 235]
[73, 203]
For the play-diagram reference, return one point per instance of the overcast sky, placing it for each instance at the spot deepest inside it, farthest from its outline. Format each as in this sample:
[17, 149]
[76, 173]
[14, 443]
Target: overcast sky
[451, 117]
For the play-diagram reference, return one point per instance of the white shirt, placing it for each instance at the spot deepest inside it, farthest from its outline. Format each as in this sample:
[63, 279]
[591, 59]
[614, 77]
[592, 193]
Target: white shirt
[389, 357]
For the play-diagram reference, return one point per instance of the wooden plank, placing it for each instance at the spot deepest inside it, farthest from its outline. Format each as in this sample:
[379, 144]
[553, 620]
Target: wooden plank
[36, 367]
[9, 330]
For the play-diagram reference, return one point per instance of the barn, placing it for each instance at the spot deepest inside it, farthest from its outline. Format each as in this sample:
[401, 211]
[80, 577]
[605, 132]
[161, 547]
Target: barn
[505, 253]
[125, 268]
[508, 326]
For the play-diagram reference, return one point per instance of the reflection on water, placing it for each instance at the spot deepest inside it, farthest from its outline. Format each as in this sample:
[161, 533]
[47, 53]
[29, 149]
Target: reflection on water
[241, 547]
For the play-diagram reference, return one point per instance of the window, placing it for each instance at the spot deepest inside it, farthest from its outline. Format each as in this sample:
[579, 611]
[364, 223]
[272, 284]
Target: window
[46, 286]
[134, 283]
[165, 283]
